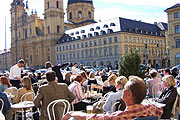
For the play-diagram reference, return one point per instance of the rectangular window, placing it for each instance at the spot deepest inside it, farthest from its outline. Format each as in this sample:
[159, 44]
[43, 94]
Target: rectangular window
[74, 46]
[78, 55]
[178, 43]
[105, 51]
[57, 28]
[105, 42]
[134, 39]
[77, 46]
[100, 52]
[116, 50]
[70, 55]
[126, 49]
[89, 14]
[100, 43]
[74, 55]
[70, 47]
[57, 4]
[86, 53]
[82, 45]
[26, 34]
[66, 56]
[66, 47]
[177, 30]
[86, 44]
[82, 53]
[137, 39]
[95, 52]
[176, 15]
[130, 40]
[115, 39]
[91, 53]
[70, 15]
[57, 48]
[48, 29]
[110, 51]
[110, 40]
[142, 40]
[95, 43]
[79, 14]
[90, 43]
[60, 48]
[125, 38]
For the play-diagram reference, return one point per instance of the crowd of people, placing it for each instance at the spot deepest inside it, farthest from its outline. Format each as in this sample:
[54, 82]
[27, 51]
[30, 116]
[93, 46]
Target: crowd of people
[76, 85]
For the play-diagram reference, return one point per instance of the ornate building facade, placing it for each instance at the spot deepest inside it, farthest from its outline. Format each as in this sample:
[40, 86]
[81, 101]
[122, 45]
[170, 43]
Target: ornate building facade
[174, 33]
[35, 38]
[105, 42]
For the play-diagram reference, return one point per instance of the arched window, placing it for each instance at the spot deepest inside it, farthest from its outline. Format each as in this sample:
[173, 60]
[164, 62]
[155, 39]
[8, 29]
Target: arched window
[57, 28]
[57, 4]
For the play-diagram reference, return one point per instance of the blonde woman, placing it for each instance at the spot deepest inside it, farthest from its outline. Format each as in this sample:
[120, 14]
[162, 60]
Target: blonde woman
[112, 98]
[27, 88]
[168, 96]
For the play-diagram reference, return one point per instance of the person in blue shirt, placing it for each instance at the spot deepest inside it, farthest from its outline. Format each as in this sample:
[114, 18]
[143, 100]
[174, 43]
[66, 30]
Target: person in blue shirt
[112, 98]
[7, 106]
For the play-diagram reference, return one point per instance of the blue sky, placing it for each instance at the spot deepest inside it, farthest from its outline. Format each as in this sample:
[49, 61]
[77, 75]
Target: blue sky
[145, 10]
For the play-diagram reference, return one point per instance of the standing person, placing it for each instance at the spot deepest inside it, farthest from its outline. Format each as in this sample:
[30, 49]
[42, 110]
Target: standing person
[56, 69]
[75, 69]
[15, 73]
[82, 68]
[50, 92]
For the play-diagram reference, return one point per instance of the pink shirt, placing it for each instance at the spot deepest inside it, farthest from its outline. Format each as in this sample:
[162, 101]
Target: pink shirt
[76, 88]
[152, 82]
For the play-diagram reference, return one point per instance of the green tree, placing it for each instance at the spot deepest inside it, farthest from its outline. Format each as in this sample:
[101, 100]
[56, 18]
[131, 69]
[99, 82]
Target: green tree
[129, 64]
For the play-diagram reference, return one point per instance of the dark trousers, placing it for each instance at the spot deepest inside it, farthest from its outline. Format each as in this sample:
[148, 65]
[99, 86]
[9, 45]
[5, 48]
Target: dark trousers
[81, 106]
[16, 83]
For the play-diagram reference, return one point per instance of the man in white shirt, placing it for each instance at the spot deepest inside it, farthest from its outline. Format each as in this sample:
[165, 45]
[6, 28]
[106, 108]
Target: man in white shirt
[15, 73]
[75, 70]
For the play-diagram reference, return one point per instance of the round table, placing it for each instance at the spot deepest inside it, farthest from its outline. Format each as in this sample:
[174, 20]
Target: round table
[23, 105]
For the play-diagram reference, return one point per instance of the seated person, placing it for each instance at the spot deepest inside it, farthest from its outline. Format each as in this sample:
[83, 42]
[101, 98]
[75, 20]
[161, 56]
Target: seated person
[110, 88]
[50, 92]
[133, 94]
[76, 88]
[27, 88]
[92, 79]
[154, 80]
[168, 96]
[112, 98]
[67, 78]
[7, 112]
[4, 83]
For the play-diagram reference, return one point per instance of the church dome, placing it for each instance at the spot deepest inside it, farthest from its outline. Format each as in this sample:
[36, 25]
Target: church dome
[80, 1]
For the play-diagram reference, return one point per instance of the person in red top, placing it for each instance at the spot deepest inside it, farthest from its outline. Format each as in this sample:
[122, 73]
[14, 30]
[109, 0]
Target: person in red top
[133, 95]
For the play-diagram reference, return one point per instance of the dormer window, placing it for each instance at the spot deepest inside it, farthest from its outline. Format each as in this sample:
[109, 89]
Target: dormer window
[72, 34]
[78, 37]
[156, 33]
[77, 32]
[141, 31]
[105, 26]
[103, 32]
[98, 28]
[146, 32]
[89, 35]
[151, 33]
[110, 31]
[92, 29]
[96, 33]
[136, 30]
[82, 31]
[73, 38]
[129, 29]
[112, 24]
[84, 36]
[67, 39]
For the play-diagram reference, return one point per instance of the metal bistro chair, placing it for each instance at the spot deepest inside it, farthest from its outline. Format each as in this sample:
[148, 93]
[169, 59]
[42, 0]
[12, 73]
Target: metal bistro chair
[156, 89]
[2, 106]
[53, 103]
[23, 98]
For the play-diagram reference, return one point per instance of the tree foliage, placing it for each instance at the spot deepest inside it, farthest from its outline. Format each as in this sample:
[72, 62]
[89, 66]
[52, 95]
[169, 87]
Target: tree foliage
[129, 64]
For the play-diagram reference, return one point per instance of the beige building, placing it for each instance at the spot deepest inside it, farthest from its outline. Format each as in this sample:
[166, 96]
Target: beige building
[5, 60]
[36, 37]
[174, 33]
[105, 42]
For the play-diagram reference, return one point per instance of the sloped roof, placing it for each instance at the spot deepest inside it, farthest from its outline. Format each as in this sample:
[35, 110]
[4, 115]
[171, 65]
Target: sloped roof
[79, 1]
[174, 6]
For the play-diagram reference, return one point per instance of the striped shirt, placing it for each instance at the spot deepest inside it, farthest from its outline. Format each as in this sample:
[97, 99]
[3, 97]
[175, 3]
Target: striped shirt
[76, 88]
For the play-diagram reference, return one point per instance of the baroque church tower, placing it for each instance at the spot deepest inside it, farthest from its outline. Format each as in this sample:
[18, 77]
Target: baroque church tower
[80, 12]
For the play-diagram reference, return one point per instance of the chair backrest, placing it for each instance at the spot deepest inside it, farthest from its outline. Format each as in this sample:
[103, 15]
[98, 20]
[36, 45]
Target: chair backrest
[147, 118]
[155, 89]
[174, 107]
[112, 108]
[106, 95]
[53, 103]
[23, 97]
[2, 106]
[11, 90]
